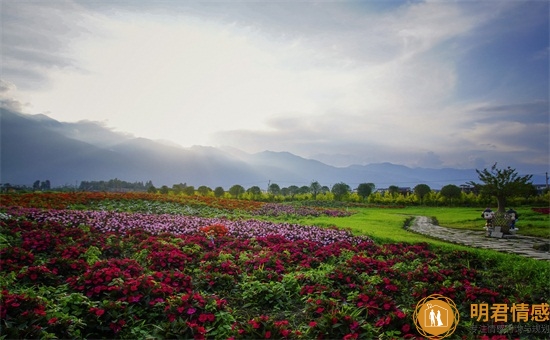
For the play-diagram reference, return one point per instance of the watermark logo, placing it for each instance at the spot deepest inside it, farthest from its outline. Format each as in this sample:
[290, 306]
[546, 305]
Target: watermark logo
[436, 316]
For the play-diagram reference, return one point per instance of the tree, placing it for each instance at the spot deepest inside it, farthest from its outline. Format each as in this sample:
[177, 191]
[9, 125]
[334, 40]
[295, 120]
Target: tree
[189, 190]
[315, 189]
[204, 190]
[451, 191]
[218, 192]
[36, 185]
[274, 189]
[236, 190]
[178, 188]
[164, 190]
[255, 191]
[151, 189]
[339, 190]
[421, 190]
[502, 184]
[293, 190]
[365, 189]
[304, 189]
[393, 190]
[45, 185]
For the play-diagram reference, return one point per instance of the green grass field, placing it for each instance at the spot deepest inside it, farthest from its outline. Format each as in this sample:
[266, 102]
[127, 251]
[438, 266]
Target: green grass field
[386, 225]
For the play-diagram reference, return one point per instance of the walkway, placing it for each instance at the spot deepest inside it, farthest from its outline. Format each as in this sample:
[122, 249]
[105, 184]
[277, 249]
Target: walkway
[521, 245]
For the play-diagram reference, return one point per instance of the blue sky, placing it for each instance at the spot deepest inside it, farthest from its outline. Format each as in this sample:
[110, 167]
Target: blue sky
[422, 83]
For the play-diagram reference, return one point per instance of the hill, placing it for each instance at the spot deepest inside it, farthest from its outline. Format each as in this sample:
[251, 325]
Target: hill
[36, 147]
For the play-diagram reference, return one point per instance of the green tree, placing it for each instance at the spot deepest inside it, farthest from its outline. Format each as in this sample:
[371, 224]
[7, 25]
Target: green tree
[304, 189]
[421, 190]
[502, 184]
[189, 190]
[236, 190]
[274, 189]
[315, 189]
[178, 188]
[219, 192]
[293, 190]
[365, 189]
[340, 190]
[254, 190]
[151, 189]
[393, 190]
[204, 190]
[451, 192]
[164, 190]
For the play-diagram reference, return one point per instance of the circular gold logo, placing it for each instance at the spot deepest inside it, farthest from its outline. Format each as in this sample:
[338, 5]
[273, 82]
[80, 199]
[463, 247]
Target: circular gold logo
[436, 316]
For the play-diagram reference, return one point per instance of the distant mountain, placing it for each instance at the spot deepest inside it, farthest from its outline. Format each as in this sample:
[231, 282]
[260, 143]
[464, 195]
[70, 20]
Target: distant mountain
[36, 147]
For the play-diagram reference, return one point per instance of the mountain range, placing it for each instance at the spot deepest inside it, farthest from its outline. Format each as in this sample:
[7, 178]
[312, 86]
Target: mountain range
[37, 147]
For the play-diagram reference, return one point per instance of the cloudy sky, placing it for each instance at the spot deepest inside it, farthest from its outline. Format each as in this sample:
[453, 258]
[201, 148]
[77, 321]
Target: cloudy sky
[421, 83]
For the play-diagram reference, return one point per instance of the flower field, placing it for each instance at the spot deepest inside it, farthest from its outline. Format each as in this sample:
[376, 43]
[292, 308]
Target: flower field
[87, 272]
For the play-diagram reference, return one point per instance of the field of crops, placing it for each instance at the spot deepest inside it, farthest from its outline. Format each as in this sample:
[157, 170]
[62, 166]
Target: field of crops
[95, 265]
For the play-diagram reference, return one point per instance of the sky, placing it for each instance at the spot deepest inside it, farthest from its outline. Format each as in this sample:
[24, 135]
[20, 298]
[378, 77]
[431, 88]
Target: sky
[433, 84]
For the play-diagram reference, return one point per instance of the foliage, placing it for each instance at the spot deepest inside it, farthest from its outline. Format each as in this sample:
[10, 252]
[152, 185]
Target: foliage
[365, 189]
[169, 285]
[340, 190]
[315, 189]
[421, 190]
[451, 192]
[502, 183]
[236, 190]
[105, 274]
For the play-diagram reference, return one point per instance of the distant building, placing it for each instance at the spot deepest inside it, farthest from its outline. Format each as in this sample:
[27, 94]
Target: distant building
[466, 188]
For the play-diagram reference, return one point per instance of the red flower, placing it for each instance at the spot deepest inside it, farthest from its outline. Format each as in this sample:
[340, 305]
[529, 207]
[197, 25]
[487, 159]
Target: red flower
[312, 324]
[52, 321]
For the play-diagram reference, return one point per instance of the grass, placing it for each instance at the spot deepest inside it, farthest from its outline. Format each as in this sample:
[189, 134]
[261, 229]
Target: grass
[386, 226]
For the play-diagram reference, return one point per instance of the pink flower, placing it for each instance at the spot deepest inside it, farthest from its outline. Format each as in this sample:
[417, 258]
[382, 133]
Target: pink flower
[191, 311]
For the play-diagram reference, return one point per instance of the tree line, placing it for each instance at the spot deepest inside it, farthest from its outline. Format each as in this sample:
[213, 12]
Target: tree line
[504, 185]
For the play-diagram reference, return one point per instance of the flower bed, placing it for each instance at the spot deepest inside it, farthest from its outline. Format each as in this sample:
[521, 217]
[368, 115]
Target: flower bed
[203, 206]
[542, 210]
[84, 274]
[106, 221]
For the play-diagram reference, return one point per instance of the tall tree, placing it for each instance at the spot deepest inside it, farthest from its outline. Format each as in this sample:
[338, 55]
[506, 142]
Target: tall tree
[365, 189]
[218, 192]
[274, 189]
[421, 190]
[236, 190]
[204, 190]
[315, 189]
[254, 190]
[293, 190]
[189, 190]
[393, 190]
[340, 190]
[502, 184]
[451, 191]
